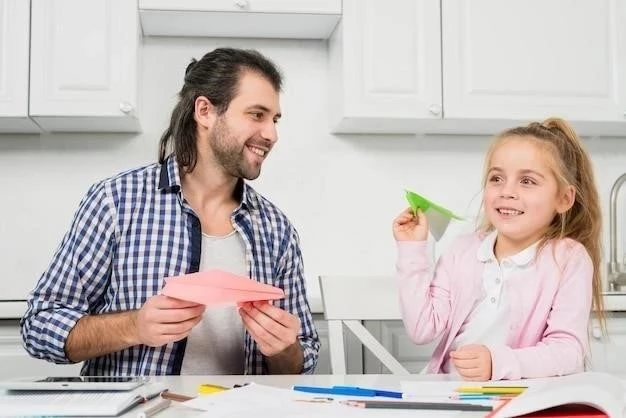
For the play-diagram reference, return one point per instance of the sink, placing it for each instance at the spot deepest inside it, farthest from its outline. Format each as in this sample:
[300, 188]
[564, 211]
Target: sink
[621, 292]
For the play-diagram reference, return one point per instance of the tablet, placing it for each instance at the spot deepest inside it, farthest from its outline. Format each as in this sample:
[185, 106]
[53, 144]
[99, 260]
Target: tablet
[74, 383]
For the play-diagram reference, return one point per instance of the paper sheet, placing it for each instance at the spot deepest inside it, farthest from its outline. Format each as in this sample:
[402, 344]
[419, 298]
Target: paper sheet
[263, 401]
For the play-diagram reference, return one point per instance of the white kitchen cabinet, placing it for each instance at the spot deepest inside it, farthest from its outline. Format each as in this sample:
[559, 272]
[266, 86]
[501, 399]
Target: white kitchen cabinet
[302, 19]
[607, 353]
[354, 349]
[84, 65]
[385, 66]
[16, 362]
[14, 64]
[520, 61]
[394, 338]
[477, 67]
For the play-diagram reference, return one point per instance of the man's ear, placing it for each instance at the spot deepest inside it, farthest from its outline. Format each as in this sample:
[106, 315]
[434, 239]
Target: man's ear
[566, 199]
[204, 112]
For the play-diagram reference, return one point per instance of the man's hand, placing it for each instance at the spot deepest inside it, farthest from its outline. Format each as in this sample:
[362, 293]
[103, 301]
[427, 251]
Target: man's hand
[162, 320]
[276, 332]
[473, 362]
[272, 328]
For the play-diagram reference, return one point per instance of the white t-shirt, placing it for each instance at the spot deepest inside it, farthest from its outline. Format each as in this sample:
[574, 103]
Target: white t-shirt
[489, 320]
[216, 344]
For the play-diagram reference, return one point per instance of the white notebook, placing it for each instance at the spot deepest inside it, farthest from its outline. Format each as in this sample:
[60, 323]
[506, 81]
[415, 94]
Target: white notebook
[76, 403]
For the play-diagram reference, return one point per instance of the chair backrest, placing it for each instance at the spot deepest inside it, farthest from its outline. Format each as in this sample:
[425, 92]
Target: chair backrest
[348, 300]
[360, 297]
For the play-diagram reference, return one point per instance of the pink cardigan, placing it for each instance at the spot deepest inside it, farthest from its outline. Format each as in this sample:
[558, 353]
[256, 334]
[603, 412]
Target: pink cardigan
[550, 312]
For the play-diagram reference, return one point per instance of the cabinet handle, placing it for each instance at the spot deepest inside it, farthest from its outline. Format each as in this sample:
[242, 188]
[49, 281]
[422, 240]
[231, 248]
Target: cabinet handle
[242, 4]
[126, 108]
[435, 109]
[596, 332]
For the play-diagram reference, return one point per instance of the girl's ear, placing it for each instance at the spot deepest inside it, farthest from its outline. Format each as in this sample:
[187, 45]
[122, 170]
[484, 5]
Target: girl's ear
[566, 199]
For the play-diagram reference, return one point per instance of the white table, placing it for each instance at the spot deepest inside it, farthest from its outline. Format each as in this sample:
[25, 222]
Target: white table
[188, 385]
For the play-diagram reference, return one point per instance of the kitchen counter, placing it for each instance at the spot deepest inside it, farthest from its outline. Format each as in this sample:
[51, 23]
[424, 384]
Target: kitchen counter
[613, 302]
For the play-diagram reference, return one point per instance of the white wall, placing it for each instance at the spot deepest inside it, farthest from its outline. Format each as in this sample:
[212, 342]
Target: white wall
[341, 192]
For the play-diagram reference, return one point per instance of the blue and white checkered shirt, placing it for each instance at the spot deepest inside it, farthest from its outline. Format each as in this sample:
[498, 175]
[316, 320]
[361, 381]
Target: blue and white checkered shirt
[129, 232]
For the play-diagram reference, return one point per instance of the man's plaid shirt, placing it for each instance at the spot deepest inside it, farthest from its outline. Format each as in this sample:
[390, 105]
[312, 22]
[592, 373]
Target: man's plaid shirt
[129, 233]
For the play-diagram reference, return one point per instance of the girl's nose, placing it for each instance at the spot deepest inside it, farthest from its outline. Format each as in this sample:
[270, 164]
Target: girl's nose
[508, 191]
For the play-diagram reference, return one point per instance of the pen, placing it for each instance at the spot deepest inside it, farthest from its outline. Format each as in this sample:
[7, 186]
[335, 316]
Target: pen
[149, 411]
[340, 390]
[475, 397]
[492, 390]
[208, 388]
[348, 390]
[166, 394]
[377, 392]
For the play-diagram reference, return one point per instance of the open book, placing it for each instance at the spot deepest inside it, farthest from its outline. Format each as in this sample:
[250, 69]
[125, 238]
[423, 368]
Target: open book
[74, 403]
[587, 394]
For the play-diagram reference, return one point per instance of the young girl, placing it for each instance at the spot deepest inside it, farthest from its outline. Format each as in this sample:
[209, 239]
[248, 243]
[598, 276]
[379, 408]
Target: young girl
[512, 300]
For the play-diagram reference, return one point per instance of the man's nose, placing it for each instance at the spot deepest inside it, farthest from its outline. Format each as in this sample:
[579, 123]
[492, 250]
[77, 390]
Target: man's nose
[269, 131]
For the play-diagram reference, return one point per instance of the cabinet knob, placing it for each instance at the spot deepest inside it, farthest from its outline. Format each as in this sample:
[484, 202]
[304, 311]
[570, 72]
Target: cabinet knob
[126, 108]
[242, 4]
[435, 109]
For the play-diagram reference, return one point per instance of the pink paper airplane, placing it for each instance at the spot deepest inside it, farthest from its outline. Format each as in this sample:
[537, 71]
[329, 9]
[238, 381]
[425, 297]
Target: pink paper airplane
[217, 287]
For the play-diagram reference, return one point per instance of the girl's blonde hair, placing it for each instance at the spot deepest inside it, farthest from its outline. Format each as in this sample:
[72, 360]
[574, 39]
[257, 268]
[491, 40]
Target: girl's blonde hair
[571, 166]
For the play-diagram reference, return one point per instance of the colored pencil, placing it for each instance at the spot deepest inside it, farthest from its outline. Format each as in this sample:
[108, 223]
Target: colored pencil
[439, 406]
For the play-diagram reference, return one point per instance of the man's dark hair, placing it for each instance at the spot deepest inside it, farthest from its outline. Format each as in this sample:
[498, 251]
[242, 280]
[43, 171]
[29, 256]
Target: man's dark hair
[216, 76]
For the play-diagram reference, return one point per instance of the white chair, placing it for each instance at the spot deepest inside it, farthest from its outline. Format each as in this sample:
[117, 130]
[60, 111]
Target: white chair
[348, 300]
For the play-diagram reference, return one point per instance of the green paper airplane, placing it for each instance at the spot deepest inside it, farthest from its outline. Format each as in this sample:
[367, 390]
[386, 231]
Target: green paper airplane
[438, 216]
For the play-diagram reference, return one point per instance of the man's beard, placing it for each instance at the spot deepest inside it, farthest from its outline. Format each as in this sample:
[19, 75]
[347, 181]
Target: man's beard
[229, 154]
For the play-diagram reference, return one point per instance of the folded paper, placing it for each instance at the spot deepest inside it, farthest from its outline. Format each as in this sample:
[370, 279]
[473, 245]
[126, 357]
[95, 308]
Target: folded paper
[217, 287]
[438, 216]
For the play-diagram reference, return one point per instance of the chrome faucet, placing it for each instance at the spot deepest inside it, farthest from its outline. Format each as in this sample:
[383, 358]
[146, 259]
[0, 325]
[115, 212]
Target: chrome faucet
[617, 270]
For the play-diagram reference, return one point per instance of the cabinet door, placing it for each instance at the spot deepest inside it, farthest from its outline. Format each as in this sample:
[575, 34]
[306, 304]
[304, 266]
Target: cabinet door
[607, 352]
[354, 349]
[16, 362]
[393, 336]
[302, 19]
[84, 65]
[14, 38]
[526, 60]
[385, 66]
[261, 6]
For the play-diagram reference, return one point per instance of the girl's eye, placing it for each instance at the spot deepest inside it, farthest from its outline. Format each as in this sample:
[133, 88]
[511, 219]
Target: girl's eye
[528, 181]
[495, 179]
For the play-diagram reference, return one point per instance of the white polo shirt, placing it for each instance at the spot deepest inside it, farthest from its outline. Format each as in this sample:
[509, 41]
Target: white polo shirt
[489, 319]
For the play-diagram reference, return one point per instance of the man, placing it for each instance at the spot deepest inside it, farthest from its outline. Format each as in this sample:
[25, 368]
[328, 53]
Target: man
[98, 301]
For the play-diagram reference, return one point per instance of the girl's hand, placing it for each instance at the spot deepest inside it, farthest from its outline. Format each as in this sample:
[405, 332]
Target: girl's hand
[473, 362]
[408, 227]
